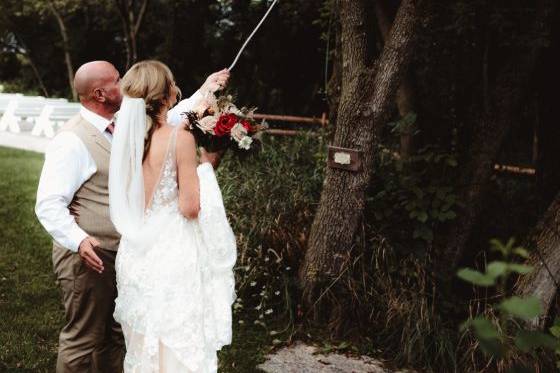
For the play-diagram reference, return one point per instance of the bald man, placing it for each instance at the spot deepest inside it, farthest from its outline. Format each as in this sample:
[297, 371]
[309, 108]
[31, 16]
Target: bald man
[73, 206]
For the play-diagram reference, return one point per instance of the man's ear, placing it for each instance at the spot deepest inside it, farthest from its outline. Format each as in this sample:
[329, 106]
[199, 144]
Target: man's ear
[99, 95]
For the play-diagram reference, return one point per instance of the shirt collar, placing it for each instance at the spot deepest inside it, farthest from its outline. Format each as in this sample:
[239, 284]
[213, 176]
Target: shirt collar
[97, 120]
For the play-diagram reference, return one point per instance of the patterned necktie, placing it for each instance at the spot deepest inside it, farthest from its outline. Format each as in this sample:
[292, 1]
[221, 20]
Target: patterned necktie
[110, 128]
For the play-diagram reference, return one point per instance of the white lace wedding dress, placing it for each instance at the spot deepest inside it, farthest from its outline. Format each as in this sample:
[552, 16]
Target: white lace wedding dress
[175, 293]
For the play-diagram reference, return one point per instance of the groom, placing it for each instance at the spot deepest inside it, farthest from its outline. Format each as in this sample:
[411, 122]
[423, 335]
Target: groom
[73, 206]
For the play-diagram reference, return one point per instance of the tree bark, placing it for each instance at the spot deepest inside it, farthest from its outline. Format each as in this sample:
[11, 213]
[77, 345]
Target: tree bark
[544, 246]
[490, 132]
[405, 95]
[66, 47]
[365, 102]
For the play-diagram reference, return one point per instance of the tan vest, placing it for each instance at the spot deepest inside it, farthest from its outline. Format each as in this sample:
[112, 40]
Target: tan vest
[90, 204]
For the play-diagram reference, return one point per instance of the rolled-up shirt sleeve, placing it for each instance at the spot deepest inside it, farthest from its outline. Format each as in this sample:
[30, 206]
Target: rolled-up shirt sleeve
[67, 166]
[174, 115]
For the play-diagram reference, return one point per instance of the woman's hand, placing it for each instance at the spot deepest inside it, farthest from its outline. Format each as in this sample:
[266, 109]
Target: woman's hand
[213, 158]
[216, 81]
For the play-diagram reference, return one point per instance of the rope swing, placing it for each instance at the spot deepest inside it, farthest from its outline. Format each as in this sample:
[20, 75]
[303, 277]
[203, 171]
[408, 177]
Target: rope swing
[251, 36]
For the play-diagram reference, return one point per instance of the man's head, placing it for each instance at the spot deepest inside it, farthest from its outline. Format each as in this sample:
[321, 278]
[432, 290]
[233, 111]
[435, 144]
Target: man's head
[98, 85]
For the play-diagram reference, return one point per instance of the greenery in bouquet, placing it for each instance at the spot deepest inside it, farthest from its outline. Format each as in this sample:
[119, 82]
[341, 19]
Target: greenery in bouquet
[218, 124]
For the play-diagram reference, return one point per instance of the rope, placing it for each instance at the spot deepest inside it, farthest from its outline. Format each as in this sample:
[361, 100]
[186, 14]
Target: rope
[251, 36]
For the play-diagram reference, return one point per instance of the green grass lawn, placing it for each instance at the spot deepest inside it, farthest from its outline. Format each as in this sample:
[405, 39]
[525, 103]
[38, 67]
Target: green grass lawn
[31, 313]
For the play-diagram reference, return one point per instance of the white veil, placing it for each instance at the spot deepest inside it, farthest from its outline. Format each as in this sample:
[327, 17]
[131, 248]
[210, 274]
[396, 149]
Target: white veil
[126, 183]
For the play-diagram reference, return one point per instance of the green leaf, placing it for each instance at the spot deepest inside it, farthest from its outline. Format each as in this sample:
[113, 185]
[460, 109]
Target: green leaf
[524, 308]
[496, 269]
[492, 347]
[529, 340]
[520, 251]
[475, 277]
[555, 328]
[486, 334]
[497, 245]
[522, 269]
[422, 216]
[484, 329]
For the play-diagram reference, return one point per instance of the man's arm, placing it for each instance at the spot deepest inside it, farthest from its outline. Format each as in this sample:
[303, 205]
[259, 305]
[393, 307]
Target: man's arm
[67, 166]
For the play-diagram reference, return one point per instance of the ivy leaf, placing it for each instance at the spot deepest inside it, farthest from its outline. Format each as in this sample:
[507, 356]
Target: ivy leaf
[496, 269]
[529, 340]
[483, 328]
[522, 269]
[520, 251]
[487, 335]
[475, 277]
[524, 308]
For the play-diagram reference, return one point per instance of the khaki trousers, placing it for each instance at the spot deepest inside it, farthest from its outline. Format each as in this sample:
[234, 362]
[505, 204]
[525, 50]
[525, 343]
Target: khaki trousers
[91, 340]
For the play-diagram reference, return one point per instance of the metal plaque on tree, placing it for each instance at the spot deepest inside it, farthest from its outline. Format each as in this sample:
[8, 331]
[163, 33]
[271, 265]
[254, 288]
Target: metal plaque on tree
[344, 158]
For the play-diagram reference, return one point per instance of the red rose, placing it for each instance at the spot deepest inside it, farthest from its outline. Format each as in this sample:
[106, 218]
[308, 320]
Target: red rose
[225, 124]
[247, 125]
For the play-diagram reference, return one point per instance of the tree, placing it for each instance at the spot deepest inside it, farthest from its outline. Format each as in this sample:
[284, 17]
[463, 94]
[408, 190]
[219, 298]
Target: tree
[491, 127]
[366, 97]
[55, 7]
[542, 282]
[13, 44]
[132, 14]
[405, 94]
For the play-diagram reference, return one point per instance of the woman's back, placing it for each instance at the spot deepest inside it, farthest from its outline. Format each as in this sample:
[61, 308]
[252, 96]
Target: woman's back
[161, 150]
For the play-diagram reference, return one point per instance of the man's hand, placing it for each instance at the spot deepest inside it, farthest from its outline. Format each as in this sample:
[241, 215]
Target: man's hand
[88, 255]
[213, 158]
[216, 81]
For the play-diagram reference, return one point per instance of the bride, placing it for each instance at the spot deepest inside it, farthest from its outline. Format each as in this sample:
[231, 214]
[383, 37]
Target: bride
[175, 261]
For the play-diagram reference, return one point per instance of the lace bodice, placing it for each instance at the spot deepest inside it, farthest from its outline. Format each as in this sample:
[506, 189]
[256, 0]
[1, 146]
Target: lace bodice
[166, 191]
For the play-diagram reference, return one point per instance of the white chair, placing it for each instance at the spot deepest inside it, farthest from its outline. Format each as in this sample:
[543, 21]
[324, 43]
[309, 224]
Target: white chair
[25, 108]
[5, 99]
[54, 114]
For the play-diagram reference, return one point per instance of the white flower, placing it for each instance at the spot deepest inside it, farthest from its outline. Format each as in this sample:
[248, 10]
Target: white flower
[273, 332]
[238, 132]
[207, 124]
[253, 283]
[241, 322]
[277, 292]
[245, 143]
[258, 307]
[268, 311]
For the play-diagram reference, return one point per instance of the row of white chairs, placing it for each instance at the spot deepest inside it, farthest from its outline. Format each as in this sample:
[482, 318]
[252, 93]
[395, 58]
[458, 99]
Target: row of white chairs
[43, 114]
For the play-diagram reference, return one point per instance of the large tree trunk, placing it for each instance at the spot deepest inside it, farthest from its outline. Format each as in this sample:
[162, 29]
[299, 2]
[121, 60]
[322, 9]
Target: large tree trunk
[545, 258]
[365, 101]
[66, 47]
[490, 132]
[131, 23]
[405, 96]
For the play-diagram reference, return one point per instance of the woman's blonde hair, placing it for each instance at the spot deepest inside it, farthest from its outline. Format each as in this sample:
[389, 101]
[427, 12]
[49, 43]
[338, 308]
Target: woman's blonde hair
[153, 81]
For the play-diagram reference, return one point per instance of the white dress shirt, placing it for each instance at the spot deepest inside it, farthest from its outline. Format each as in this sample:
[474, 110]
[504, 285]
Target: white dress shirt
[67, 166]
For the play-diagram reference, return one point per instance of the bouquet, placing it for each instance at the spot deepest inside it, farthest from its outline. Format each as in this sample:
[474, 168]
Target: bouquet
[217, 124]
